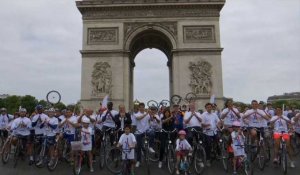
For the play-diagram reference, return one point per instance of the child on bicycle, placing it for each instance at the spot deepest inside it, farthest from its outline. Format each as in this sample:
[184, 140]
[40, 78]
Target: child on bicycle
[86, 140]
[182, 148]
[128, 142]
[237, 144]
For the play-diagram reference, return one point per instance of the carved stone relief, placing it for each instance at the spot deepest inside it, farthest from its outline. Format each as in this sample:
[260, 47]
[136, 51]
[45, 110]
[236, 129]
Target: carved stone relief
[201, 77]
[103, 35]
[101, 79]
[169, 26]
[199, 34]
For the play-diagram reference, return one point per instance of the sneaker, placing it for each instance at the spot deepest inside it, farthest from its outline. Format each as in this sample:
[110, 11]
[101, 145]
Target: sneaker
[151, 150]
[190, 154]
[293, 164]
[159, 164]
[50, 163]
[201, 164]
[91, 170]
[39, 163]
[208, 163]
[177, 172]
[137, 164]
[275, 160]
[234, 173]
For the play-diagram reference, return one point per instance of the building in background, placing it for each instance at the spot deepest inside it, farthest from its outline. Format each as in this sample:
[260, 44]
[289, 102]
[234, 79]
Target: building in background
[293, 96]
[3, 96]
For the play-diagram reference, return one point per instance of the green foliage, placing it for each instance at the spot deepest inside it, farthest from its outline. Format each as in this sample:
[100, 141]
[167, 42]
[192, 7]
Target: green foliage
[289, 104]
[28, 102]
[12, 103]
[60, 106]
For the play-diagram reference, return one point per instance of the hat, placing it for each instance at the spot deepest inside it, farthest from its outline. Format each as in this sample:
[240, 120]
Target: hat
[182, 132]
[22, 110]
[85, 120]
[3, 109]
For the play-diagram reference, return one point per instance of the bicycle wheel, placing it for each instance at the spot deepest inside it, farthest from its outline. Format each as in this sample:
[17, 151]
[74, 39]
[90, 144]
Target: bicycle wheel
[176, 99]
[171, 159]
[41, 157]
[17, 153]
[6, 151]
[248, 168]
[190, 97]
[53, 97]
[114, 160]
[102, 156]
[262, 154]
[199, 160]
[284, 161]
[154, 157]
[77, 164]
[164, 103]
[53, 161]
[225, 155]
[152, 103]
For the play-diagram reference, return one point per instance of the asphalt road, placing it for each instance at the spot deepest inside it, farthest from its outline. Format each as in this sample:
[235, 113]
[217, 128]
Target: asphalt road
[64, 169]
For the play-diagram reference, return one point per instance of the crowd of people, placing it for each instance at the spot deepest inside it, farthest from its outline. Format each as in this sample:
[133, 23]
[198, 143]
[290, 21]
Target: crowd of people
[134, 126]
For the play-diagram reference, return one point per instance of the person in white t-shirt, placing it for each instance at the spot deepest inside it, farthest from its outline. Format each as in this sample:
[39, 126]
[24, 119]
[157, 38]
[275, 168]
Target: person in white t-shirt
[128, 142]
[296, 125]
[281, 129]
[86, 139]
[4, 120]
[142, 124]
[109, 121]
[154, 126]
[21, 127]
[192, 120]
[255, 117]
[182, 149]
[210, 124]
[51, 130]
[229, 115]
[37, 120]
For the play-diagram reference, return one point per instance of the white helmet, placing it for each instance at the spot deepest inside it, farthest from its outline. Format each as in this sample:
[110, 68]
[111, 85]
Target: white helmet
[22, 110]
[85, 120]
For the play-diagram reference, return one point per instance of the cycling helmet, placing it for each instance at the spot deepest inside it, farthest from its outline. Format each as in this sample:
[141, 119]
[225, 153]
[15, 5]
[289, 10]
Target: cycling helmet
[22, 110]
[85, 120]
[39, 107]
[182, 132]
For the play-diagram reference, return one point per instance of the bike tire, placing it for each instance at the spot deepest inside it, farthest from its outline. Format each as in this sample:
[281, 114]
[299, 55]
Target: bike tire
[284, 161]
[77, 164]
[261, 158]
[176, 99]
[225, 156]
[55, 160]
[6, 151]
[48, 97]
[41, 157]
[102, 156]
[16, 154]
[154, 157]
[248, 167]
[171, 160]
[199, 160]
[113, 161]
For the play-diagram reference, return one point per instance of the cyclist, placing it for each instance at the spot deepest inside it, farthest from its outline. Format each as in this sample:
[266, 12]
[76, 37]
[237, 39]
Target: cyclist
[255, 117]
[192, 120]
[4, 120]
[296, 125]
[108, 120]
[210, 125]
[168, 124]
[37, 120]
[69, 124]
[281, 124]
[51, 129]
[182, 149]
[128, 142]
[154, 126]
[178, 116]
[229, 115]
[86, 139]
[21, 128]
[237, 144]
[142, 125]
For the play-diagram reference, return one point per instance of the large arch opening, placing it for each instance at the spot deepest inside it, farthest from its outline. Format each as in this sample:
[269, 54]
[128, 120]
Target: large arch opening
[152, 51]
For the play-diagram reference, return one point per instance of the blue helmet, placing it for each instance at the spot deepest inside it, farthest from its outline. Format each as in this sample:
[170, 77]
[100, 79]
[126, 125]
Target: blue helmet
[39, 107]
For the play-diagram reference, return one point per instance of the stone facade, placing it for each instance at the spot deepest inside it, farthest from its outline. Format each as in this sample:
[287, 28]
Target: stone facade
[115, 31]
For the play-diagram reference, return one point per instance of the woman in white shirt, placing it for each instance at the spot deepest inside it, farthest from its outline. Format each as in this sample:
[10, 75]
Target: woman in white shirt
[281, 127]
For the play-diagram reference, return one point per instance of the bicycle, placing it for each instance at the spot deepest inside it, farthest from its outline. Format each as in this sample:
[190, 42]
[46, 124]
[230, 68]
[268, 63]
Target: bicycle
[6, 150]
[19, 150]
[80, 157]
[146, 153]
[2, 139]
[184, 165]
[199, 155]
[295, 143]
[51, 163]
[261, 153]
[170, 151]
[243, 164]
[282, 154]
[106, 145]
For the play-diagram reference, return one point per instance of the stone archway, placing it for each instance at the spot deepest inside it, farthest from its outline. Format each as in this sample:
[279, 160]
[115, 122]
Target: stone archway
[115, 31]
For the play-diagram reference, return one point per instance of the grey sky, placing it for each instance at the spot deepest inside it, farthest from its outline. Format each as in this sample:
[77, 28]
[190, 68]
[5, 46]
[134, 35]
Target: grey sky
[40, 40]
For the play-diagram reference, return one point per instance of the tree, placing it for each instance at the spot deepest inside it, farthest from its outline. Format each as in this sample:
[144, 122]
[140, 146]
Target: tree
[29, 102]
[60, 106]
[12, 103]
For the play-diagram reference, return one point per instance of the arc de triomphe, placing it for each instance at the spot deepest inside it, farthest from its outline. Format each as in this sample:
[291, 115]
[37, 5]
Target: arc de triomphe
[115, 31]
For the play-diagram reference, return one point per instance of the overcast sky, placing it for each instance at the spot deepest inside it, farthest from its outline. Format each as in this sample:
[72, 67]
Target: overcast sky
[40, 42]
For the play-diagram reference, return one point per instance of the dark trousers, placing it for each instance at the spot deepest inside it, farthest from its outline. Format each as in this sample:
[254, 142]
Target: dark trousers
[139, 146]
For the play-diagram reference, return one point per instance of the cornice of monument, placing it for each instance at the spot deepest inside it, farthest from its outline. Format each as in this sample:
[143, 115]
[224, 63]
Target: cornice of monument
[109, 9]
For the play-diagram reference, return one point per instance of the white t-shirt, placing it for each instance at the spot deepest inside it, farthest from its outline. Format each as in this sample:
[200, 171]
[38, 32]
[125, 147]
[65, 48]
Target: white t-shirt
[109, 122]
[99, 123]
[213, 120]
[271, 112]
[143, 124]
[296, 125]
[4, 120]
[182, 145]
[237, 144]
[69, 129]
[153, 124]
[43, 117]
[127, 141]
[133, 119]
[194, 122]
[231, 116]
[21, 130]
[280, 125]
[86, 139]
[48, 130]
[255, 119]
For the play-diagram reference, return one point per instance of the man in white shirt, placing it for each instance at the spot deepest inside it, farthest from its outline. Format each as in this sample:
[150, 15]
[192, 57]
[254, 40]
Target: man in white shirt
[210, 124]
[109, 121]
[38, 120]
[21, 127]
[230, 114]
[4, 120]
[255, 118]
[192, 120]
[142, 125]
[281, 129]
